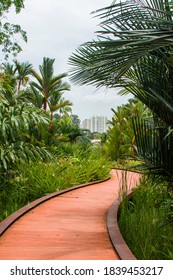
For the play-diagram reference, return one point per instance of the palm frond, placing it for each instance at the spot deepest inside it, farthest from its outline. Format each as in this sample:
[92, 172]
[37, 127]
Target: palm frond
[128, 32]
[155, 146]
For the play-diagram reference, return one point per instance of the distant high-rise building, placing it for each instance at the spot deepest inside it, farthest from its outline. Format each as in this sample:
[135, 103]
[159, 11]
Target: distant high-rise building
[86, 124]
[95, 124]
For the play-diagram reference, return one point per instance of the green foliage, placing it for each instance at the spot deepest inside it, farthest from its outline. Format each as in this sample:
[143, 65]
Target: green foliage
[50, 87]
[23, 71]
[113, 143]
[121, 138]
[8, 31]
[48, 90]
[146, 221]
[76, 165]
[17, 76]
[69, 129]
[6, 4]
[19, 73]
[155, 144]
[16, 142]
[17, 95]
[134, 52]
[129, 30]
[18, 121]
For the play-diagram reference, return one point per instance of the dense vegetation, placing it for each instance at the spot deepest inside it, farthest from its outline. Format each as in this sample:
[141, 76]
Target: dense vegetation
[146, 220]
[43, 149]
[74, 165]
[134, 51]
[121, 142]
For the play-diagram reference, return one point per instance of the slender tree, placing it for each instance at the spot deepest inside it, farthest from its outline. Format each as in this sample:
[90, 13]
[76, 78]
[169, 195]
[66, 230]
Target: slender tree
[121, 137]
[22, 70]
[47, 83]
[8, 69]
[57, 103]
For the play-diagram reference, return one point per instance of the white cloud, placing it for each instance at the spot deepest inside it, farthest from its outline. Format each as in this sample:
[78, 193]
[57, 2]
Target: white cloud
[55, 29]
[105, 96]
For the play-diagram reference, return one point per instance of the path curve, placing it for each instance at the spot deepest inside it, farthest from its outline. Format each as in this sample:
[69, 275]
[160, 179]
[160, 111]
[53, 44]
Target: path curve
[70, 226]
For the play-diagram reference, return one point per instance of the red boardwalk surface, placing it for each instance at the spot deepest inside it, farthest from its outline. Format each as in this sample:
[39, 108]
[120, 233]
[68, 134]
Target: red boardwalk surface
[70, 226]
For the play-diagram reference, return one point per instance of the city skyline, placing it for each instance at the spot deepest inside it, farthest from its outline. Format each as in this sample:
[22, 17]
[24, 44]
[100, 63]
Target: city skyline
[95, 123]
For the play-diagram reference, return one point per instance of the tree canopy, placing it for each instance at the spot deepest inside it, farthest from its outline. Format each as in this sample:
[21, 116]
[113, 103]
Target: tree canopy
[134, 51]
[8, 31]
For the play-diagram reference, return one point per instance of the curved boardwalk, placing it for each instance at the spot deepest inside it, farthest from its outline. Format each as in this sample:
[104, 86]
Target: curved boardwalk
[71, 226]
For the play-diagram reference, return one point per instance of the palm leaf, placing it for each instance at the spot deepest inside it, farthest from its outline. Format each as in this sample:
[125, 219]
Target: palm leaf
[129, 32]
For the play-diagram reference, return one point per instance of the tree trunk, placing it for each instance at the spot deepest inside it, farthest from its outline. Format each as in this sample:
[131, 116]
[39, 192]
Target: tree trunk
[19, 84]
[51, 120]
[45, 105]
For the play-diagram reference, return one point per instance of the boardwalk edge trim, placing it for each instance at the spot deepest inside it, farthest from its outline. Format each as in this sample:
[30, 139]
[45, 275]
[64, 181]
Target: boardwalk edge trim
[7, 222]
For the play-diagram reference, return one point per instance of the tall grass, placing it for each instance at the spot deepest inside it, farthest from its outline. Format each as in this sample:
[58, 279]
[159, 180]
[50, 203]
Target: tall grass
[146, 221]
[76, 165]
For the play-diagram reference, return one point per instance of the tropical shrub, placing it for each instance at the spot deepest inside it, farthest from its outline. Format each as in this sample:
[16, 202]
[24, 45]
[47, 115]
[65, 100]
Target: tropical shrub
[120, 137]
[146, 220]
[155, 144]
[76, 165]
[17, 143]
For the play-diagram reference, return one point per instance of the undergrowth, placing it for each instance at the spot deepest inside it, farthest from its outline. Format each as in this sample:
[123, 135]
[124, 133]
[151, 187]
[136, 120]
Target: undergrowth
[146, 221]
[74, 165]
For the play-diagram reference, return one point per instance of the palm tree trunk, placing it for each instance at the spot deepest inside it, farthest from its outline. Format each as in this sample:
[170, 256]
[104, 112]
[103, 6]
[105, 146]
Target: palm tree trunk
[45, 106]
[45, 92]
[19, 85]
[51, 120]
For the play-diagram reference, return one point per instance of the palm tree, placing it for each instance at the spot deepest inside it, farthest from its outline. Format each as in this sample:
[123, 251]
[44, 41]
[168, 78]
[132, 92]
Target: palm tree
[134, 51]
[47, 83]
[9, 71]
[57, 103]
[8, 68]
[5, 84]
[34, 96]
[121, 138]
[22, 70]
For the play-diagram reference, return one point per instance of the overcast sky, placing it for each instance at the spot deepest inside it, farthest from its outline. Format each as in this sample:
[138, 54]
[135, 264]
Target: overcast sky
[55, 28]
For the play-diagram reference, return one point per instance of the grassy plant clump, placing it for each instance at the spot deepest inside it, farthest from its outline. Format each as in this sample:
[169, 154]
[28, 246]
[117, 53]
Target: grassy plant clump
[129, 163]
[146, 221]
[36, 179]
